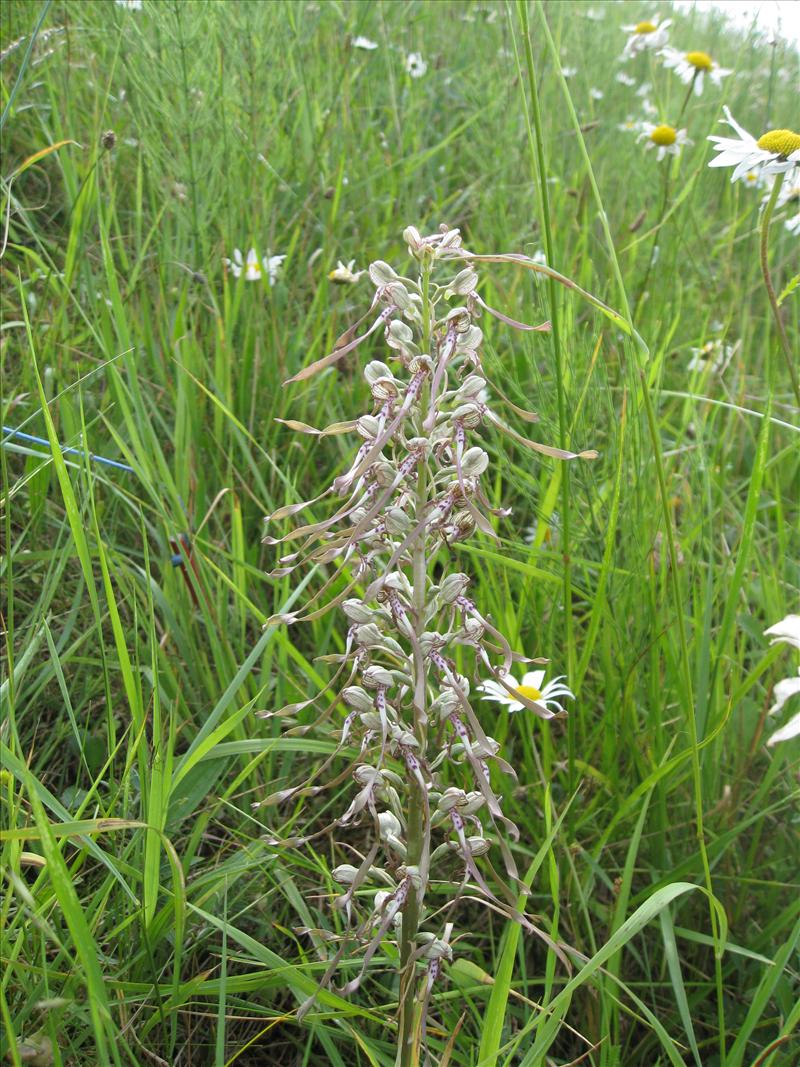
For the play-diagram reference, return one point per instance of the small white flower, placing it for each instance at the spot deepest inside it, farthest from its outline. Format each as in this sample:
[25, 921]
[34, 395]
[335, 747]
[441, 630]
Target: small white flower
[595, 14]
[754, 179]
[530, 687]
[569, 72]
[645, 35]
[596, 94]
[625, 79]
[693, 67]
[365, 43]
[344, 274]
[793, 224]
[775, 152]
[415, 65]
[253, 267]
[785, 632]
[630, 125]
[714, 356]
[131, 5]
[666, 139]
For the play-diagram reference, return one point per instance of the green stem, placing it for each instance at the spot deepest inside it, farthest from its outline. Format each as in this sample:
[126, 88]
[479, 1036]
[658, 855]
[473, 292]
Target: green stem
[766, 219]
[537, 150]
[665, 199]
[673, 573]
[416, 828]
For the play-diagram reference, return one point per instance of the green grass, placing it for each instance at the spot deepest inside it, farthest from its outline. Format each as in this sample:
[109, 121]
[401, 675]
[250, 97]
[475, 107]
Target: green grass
[146, 917]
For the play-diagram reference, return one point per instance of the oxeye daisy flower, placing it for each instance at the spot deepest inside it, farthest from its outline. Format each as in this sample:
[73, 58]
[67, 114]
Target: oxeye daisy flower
[625, 79]
[415, 65]
[775, 152]
[787, 631]
[344, 274]
[666, 139]
[365, 43]
[713, 355]
[693, 67]
[644, 35]
[253, 267]
[531, 687]
[630, 125]
[754, 179]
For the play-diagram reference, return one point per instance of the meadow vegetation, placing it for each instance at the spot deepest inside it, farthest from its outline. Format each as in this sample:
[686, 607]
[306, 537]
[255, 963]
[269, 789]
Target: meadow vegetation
[147, 915]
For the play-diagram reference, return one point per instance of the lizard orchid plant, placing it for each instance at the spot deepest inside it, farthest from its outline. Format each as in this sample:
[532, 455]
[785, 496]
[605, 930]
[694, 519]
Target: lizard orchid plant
[425, 774]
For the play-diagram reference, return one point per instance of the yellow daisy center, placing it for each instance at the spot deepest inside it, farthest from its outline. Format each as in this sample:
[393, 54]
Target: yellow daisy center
[645, 27]
[663, 135]
[530, 692]
[700, 60]
[781, 142]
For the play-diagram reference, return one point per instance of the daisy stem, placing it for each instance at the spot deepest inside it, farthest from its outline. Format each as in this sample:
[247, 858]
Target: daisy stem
[662, 212]
[416, 829]
[766, 219]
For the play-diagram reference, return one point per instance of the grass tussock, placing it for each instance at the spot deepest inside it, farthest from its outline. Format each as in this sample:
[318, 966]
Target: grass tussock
[146, 916]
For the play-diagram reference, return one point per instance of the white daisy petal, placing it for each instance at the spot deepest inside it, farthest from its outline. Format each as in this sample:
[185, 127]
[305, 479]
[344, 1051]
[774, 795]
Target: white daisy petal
[787, 631]
[790, 730]
[533, 679]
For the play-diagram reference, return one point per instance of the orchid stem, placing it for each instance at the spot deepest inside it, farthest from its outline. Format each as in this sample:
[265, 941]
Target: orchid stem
[416, 829]
[766, 219]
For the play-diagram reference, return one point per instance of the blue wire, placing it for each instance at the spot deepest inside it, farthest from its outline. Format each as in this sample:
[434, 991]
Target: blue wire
[73, 451]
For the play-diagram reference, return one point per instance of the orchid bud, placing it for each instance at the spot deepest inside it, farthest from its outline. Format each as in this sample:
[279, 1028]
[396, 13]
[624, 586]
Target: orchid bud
[357, 698]
[375, 370]
[389, 824]
[479, 846]
[466, 281]
[357, 611]
[474, 462]
[453, 586]
[381, 274]
[345, 873]
[375, 676]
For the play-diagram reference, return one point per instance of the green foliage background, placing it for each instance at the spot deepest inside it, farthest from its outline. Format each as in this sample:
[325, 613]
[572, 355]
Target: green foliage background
[146, 916]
